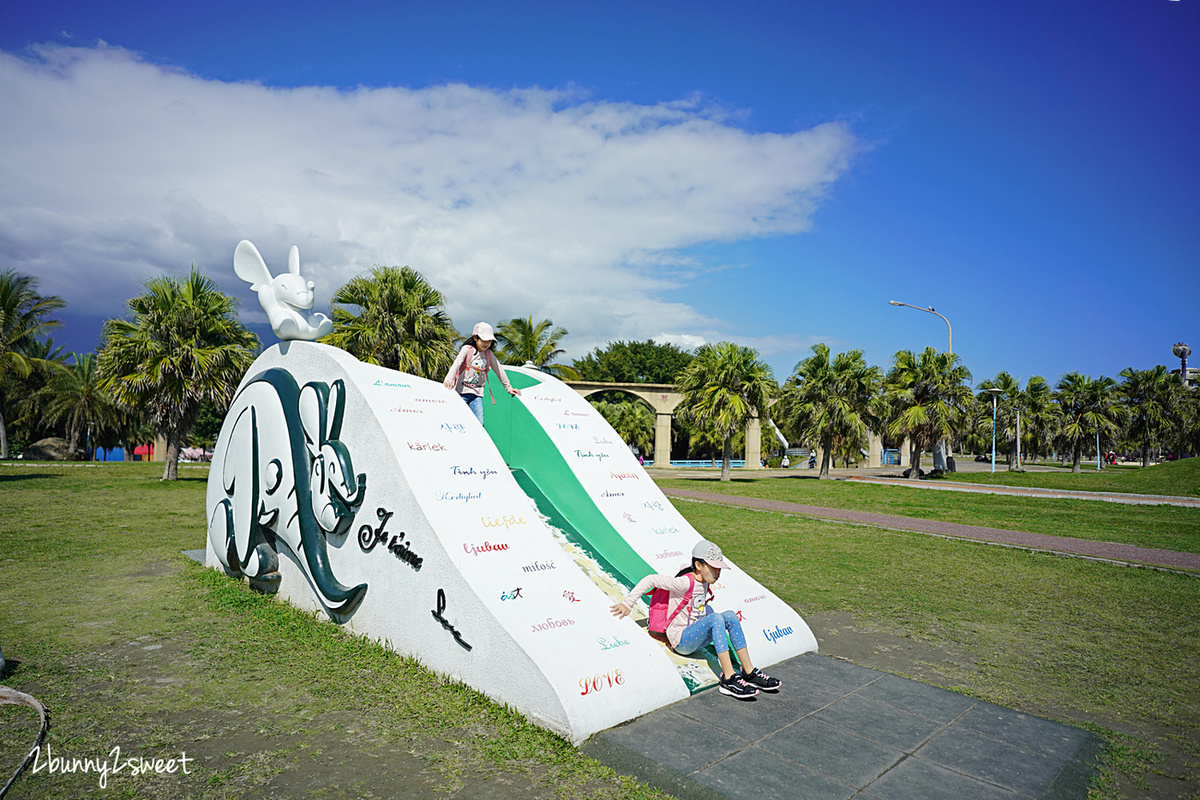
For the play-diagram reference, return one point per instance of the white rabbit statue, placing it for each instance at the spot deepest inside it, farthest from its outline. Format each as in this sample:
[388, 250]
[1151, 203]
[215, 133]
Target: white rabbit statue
[283, 297]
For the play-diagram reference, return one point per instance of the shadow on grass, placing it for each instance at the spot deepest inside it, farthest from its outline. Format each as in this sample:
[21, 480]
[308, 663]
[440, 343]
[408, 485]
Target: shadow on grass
[27, 476]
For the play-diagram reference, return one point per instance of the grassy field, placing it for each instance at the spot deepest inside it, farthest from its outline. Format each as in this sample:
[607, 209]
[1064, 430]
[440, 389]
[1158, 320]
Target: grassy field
[1175, 478]
[1165, 527]
[130, 644]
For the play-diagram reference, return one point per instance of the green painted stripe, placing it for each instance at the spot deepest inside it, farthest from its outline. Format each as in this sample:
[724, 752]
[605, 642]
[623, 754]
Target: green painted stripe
[545, 474]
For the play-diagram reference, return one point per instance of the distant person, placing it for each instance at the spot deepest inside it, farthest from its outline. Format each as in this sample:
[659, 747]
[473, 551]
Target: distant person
[468, 373]
[693, 624]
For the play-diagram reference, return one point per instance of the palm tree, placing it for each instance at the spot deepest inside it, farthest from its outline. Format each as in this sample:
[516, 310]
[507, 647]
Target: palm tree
[830, 401]
[1152, 397]
[22, 321]
[519, 342]
[633, 421]
[73, 396]
[401, 322]
[723, 387]
[1089, 410]
[184, 345]
[1032, 408]
[925, 398]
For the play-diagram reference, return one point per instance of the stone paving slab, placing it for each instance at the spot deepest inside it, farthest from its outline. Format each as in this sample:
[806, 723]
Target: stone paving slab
[839, 731]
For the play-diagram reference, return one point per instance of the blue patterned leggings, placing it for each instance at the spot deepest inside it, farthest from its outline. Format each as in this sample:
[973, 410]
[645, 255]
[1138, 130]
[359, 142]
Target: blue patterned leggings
[723, 630]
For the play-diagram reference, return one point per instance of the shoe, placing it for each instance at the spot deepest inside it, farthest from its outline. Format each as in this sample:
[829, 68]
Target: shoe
[737, 687]
[762, 680]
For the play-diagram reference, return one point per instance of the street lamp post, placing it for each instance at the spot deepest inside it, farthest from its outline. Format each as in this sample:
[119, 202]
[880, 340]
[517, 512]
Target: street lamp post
[942, 449]
[995, 392]
[949, 332]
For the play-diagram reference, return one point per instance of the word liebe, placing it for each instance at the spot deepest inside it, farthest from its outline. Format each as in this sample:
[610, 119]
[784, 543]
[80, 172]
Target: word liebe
[605, 644]
[471, 471]
[551, 624]
[596, 683]
[506, 521]
[486, 547]
[778, 633]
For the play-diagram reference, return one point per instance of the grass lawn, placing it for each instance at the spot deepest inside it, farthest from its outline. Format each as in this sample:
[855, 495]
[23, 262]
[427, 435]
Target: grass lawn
[1111, 648]
[1174, 478]
[1165, 527]
[130, 644]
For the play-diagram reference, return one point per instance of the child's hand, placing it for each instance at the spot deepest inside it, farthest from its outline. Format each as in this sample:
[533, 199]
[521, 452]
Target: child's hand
[514, 391]
[619, 610]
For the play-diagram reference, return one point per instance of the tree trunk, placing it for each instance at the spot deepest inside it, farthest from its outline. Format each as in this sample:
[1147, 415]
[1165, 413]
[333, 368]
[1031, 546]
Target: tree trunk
[171, 472]
[914, 462]
[826, 449]
[1145, 454]
[1076, 458]
[726, 456]
[3, 437]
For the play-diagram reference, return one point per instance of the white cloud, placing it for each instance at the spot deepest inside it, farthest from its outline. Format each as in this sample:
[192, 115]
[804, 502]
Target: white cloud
[512, 203]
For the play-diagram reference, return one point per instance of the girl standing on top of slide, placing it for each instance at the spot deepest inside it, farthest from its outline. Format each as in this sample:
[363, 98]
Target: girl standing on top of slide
[698, 624]
[468, 373]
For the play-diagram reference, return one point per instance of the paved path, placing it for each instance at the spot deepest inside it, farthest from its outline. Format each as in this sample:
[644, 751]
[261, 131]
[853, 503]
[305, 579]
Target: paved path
[1062, 545]
[837, 731]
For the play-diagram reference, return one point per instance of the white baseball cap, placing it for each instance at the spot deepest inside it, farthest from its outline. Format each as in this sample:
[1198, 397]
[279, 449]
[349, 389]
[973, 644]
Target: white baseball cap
[710, 554]
[484, 332]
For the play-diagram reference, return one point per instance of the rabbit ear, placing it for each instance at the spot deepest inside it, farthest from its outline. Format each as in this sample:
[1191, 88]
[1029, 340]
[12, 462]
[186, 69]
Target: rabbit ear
[313, 401]
[294, 260]
[249, 265]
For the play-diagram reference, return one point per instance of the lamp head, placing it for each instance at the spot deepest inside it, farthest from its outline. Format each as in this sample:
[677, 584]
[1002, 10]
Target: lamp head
[894, 303]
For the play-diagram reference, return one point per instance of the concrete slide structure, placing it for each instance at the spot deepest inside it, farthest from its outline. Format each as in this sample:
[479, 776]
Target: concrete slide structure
[376, 498]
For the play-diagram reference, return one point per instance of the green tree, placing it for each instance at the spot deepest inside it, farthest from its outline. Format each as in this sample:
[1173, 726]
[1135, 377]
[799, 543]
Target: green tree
[633, 421]
[634, 362]
[1031, 408]
[401, 322]
[829, 401]
[184, 345]
[519, 341]
[1090, 410]
[73, 397]
[925, 399]
[723, 387]
[1152, 397]
[23, 320]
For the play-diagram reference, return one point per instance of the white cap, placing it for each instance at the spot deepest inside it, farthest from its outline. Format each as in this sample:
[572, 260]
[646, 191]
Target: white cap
[710, 554]
[484, 332]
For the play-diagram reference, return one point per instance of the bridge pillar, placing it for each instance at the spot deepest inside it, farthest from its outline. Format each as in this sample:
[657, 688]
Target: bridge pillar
[754, 443]
[662, 439]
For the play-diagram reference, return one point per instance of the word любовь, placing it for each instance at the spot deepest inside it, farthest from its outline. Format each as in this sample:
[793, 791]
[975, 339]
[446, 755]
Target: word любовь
[368, 538]
[112, 765]
[550, 624]
[438, 615]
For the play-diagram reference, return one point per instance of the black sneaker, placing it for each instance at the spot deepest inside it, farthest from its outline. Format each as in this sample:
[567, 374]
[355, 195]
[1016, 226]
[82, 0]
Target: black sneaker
[762, 680]
[737, 687]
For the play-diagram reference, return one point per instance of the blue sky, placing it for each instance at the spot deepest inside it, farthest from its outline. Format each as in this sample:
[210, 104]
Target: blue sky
[770, 174]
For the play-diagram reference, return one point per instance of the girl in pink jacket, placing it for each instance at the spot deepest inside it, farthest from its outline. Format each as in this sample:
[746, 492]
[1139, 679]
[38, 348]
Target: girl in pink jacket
[468, 373]
[695, 624]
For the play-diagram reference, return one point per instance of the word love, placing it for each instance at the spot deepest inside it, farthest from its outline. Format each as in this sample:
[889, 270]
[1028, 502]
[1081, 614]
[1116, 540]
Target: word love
[454, 427]
[778, 633]
[393, 385]
[513, 595]
[605, 644]
[482, 472]
[435, 447]
[466, 497]
[538, 566]
[505, 521]
[653, 505]
[623, 476]
[668, 554]
[571, 597]
[551, 624]
[590, 454]
[486, 547]
[596, 683]
[438, 614]
[368, 537]
[567, 426]
[666, 530]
